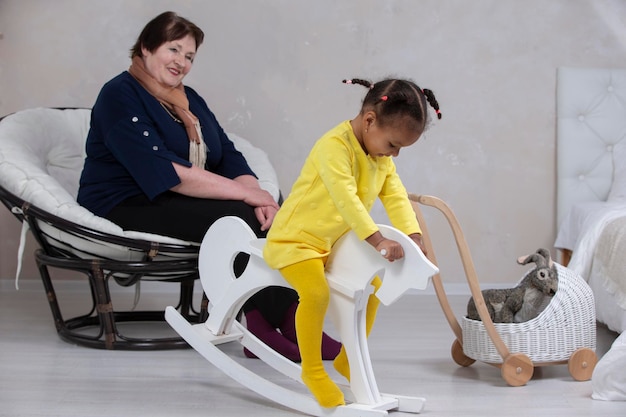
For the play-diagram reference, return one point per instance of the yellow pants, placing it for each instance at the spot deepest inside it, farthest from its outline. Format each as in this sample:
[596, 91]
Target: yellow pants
[309, 280]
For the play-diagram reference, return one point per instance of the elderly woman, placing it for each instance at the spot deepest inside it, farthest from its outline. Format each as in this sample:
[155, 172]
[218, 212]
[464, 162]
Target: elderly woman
[158, 161]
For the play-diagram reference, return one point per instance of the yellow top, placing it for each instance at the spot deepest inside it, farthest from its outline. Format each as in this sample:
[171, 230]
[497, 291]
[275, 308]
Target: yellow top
[334, 193]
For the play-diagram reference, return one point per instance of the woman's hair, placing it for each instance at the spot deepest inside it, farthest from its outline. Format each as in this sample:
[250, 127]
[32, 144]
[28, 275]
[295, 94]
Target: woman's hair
[392, 99]
[166, 27]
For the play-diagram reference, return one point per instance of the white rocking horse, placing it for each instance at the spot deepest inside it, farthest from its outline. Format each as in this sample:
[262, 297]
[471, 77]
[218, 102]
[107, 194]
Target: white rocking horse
[350, 268]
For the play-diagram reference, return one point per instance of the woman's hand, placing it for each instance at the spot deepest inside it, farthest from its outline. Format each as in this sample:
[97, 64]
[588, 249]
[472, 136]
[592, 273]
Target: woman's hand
[257, 197]
[265, 209]
[265, 215]
[197, 182]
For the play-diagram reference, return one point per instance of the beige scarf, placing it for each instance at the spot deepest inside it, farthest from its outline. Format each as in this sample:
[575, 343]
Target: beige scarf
[175, 100]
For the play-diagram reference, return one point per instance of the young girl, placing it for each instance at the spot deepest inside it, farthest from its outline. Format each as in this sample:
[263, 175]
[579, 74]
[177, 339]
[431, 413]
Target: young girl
[347, 169]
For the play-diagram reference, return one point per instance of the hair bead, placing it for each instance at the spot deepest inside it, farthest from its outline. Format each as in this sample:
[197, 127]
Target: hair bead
[364, 83]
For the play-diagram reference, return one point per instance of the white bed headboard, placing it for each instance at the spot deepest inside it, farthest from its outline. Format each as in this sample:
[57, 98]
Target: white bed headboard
[591, 120]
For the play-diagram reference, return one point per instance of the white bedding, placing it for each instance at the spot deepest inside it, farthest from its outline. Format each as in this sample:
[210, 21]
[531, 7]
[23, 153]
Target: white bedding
[609, 379]
[596, 232]
[581, 232]
[583, 217]
[609, 262]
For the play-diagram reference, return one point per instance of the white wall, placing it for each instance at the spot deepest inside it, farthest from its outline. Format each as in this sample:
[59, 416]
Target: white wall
[271, 70]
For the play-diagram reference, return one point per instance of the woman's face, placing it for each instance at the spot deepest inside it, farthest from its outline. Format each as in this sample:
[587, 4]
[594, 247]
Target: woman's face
[171, 61]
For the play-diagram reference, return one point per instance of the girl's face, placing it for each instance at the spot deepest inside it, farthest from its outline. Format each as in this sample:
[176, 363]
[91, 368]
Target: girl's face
[171, 61]
[388, 140]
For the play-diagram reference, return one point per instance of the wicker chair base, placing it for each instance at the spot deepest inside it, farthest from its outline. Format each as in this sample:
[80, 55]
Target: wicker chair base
[99, 328]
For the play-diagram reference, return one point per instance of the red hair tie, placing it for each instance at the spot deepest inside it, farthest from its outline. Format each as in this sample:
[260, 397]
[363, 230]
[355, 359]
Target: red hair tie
[384, 98]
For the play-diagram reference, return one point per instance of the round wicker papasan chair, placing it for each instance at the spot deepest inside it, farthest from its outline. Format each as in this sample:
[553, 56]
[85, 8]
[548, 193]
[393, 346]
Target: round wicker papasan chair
[41, 157]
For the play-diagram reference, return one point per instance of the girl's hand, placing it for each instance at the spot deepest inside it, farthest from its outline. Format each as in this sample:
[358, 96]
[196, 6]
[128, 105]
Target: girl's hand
[390, 249]
[419, 241]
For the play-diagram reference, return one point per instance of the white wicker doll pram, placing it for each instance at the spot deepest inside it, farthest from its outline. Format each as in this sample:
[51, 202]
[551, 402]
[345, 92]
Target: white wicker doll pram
[564, 333]
[567, 324]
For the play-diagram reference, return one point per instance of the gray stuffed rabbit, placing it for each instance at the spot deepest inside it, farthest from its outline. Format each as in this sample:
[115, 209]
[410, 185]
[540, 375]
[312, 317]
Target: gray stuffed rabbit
[529, 298]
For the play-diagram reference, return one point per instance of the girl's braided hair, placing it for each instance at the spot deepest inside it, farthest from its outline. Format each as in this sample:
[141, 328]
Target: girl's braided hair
[392, 98]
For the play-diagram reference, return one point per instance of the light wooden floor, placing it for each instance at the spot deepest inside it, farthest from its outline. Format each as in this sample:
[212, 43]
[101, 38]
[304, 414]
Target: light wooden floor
[40, 375]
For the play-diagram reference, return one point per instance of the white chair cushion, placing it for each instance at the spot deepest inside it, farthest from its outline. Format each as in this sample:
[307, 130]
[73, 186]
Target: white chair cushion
[260, 164]
[41, 158]
[42, 151]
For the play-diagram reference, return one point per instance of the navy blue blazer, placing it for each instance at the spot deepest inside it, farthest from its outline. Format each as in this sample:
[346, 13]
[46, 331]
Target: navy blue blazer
[133, 141]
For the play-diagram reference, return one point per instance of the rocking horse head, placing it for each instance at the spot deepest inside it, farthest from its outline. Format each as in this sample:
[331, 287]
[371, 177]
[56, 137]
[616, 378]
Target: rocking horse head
[355, 263]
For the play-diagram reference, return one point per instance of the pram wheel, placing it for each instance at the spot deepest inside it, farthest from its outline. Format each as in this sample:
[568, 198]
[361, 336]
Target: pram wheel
[581, 364]
[517, 369]
[459, 357]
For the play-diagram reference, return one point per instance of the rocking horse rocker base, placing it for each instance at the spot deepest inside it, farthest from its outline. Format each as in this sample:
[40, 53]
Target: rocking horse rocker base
[351, 267]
